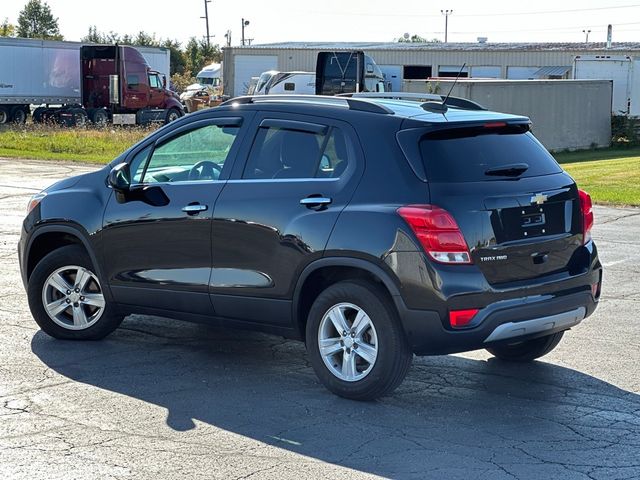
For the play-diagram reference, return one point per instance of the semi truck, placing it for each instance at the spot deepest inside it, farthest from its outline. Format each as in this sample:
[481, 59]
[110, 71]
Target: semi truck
[336, 73]
[623, 70]
[71, 83]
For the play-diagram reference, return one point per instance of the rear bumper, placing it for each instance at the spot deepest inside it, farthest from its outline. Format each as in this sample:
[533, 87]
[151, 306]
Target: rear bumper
[519, 319]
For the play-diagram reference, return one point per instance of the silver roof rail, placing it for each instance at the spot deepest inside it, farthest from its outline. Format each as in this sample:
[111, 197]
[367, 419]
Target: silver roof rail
[359, 104]
[423, 98]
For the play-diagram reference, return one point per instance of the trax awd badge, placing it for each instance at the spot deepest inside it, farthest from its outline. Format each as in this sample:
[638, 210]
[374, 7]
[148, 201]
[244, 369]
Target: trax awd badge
[494, 258]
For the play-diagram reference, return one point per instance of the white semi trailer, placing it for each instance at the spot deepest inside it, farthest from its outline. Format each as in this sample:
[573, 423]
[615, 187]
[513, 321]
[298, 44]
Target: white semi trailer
[623, 70]
[48, 74]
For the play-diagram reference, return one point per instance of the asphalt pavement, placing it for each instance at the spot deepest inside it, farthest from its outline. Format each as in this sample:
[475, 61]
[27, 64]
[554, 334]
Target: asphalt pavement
[164, 399]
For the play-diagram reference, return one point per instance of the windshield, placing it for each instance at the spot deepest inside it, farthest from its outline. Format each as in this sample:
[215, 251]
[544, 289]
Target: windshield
[212, 81]
[262, 81]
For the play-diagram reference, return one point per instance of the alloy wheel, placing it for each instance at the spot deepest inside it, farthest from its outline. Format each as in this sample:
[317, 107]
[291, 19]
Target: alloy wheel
[72, 297]
[348, 342]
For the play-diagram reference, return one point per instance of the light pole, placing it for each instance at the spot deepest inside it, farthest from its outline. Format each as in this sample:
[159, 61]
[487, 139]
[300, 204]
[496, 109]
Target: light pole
[446, 14]
[244, 24]
[586, 32]
[206, 19]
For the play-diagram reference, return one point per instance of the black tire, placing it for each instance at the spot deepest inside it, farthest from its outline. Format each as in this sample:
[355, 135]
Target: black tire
[172, 114]
[4, 115]
[100, 117]
[526, 351]
[394, 355]
[19, 115]
[79, 117]
[38, 115]
[68, 256]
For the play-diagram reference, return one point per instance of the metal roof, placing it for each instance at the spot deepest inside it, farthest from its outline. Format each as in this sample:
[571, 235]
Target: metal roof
[551, 71]
[581, 46]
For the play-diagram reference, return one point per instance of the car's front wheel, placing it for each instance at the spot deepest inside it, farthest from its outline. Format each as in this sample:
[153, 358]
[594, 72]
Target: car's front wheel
[355, 341]
[66, 298]
[528, 350]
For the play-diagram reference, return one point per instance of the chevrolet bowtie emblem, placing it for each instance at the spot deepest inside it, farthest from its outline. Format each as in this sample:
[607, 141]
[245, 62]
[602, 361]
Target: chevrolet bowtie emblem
[539, 198]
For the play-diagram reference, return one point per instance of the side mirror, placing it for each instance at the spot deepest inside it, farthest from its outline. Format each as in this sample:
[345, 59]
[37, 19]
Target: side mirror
[164, 82]
[120, 178]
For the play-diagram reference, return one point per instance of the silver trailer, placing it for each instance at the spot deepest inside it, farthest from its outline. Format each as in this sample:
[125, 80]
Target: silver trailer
[42, 72]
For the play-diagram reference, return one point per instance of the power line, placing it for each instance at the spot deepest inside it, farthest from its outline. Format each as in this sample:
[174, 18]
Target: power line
[557, 29]
[498, 14]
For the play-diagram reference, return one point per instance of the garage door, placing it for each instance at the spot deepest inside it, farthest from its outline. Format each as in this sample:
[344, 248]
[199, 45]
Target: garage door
[247, 66]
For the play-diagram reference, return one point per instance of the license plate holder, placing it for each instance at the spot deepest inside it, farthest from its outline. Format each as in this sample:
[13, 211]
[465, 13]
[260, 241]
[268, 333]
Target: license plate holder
[533, 220]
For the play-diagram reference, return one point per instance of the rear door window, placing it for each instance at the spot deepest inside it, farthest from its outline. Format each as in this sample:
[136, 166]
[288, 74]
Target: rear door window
[285, 153]
[484, 154]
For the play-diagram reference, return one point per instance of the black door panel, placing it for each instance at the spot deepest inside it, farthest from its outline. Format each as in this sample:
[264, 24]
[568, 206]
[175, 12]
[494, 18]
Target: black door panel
[160, 253]
[263, 235]
[160, 248]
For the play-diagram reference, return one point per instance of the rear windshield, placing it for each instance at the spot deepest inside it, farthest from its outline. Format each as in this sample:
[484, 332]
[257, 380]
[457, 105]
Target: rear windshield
[482, 154]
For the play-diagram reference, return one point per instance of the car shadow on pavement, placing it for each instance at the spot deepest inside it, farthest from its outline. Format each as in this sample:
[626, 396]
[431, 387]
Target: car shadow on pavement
[453, 417]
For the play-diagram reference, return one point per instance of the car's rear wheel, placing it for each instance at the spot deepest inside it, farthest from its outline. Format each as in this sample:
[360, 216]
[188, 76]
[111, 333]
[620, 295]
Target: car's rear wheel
[528, 350]
[66, 298]
[355, 341]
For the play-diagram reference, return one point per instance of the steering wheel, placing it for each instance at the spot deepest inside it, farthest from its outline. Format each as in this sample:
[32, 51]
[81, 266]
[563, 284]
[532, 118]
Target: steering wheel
[204, 170]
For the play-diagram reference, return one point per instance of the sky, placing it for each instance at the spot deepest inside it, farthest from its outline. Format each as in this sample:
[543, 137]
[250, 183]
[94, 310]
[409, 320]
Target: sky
[340, 20]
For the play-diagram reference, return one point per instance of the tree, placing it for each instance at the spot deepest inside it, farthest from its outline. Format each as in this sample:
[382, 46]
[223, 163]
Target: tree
[94, 36]
[198, 54]
[6, 29]
[37, 21]
[416, 39]
[178, 60]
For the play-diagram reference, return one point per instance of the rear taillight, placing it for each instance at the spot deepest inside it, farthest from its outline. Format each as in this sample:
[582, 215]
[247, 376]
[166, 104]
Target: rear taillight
[586, 207]
[438, 233]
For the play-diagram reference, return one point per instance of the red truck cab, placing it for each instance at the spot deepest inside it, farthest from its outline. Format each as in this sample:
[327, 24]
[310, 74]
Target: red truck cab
[116, 80]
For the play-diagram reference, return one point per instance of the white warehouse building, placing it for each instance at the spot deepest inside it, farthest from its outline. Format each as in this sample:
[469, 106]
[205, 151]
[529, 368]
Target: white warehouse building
[419, 61]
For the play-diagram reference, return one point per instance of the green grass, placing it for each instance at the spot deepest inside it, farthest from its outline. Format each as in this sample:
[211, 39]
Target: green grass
[611, 176]
[71, 144]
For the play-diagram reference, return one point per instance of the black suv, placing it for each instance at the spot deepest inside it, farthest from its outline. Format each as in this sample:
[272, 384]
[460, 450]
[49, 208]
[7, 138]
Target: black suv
[371, 228]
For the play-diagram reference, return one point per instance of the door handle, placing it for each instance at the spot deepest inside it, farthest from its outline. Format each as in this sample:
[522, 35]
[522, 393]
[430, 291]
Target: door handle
[315, 202]
[194, 208]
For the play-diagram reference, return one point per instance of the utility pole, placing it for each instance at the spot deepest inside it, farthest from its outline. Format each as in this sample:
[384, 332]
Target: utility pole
[228, 37]
[244, 24]
[206, 19]
[586, 32]
[446, 14]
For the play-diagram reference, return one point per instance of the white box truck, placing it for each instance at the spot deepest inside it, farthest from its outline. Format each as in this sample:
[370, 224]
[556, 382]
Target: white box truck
[623, 70]
[71, 82]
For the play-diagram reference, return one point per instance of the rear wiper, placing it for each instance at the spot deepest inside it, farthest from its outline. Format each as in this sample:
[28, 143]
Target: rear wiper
[512, 170]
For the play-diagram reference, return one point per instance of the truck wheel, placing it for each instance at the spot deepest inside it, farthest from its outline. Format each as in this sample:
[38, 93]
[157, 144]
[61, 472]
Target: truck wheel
[18, 115]
[172, 114]
[100, 117]
[528, 350]
[78, 117]
[355, 342]
[38, 115]
[66, 298]
[4, 115]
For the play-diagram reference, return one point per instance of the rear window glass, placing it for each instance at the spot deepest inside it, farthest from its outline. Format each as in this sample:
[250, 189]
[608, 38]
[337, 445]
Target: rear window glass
[472, 155]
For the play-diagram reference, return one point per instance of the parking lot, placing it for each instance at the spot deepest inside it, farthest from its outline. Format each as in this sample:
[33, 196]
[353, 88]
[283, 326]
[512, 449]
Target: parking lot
[163, 399]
